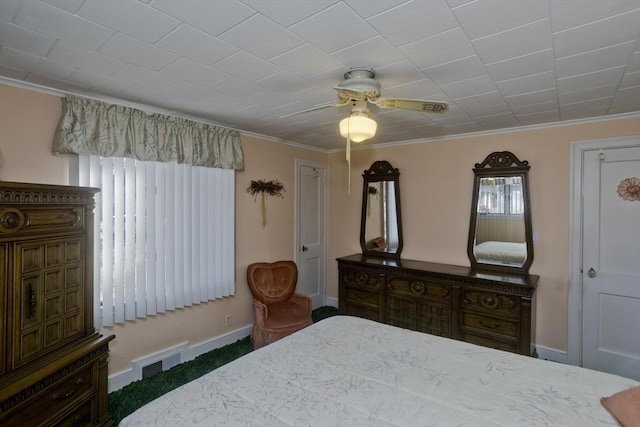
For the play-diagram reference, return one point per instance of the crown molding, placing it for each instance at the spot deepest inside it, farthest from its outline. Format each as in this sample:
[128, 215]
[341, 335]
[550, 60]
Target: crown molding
[151, 109]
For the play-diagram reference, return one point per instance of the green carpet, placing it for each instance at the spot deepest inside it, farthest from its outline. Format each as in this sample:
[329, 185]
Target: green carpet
[129, 398]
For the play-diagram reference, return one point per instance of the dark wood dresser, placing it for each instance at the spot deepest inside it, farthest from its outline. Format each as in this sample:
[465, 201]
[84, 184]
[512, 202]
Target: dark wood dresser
[484, 308]
[53, 363]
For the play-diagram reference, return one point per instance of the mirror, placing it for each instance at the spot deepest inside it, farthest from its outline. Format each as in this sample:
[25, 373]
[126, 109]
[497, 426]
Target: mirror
[381, 224]
[500, 236]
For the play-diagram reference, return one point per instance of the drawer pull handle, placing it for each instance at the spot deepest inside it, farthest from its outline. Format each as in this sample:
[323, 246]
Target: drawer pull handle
[78, 420]
[70, 393]
[489, 325]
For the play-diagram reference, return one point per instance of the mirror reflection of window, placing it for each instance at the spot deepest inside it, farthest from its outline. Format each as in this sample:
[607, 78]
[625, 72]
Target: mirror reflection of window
[501, 196]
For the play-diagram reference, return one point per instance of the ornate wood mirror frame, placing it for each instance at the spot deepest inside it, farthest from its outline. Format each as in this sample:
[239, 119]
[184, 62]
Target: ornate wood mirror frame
[381, 224]
[500, 233]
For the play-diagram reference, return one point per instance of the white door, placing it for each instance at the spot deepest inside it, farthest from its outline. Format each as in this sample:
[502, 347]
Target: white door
[311, 227]
[611, 261]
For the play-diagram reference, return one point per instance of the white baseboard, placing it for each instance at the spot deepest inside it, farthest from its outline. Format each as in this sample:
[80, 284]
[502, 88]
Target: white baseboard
[332, 302]
[176, 354]
[552, 354]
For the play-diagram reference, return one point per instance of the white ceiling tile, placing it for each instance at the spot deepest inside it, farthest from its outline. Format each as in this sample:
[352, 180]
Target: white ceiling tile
[286, 12]
[87, 60]
[248, 67]
[206, 15]
[184, 89]
[137, 52]
[193, 72]
[262, 37]
[13, 73]
[586, 95]
[571, 13]
[577, 110]
[43, 66]
[28, 41]
[420, 89]
[538, 97]
[372, 53]
[334, 29]
[461, 69]
[306, 60]
[522, 66]
[605, 77]
[284, 82]
[626, 100]
[595, 60]
[420, 20]
[144, 77]
[399, 73]
[498, 121]
[445, 47]
[105, 84]
[233, 86]
[368, 8]
[634, 63]
[630, 80]
[536, 118]
[469, 87]
[523, 40]
[9, 10]
[476, 108]
[465, 127]
[133, 18]
[607, 32]
[535, 108]
[68, 5]
[59, 24]
[483, 17]
[207, 50]
[530, 83]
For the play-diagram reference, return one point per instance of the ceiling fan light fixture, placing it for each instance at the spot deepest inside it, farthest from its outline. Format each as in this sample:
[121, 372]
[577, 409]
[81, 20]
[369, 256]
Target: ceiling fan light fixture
[357, 127]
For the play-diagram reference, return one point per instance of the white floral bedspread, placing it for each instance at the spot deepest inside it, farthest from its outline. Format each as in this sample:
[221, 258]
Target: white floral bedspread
[347, 371]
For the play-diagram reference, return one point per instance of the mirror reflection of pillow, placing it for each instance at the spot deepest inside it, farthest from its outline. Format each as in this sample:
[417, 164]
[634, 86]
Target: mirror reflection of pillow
[624, 406]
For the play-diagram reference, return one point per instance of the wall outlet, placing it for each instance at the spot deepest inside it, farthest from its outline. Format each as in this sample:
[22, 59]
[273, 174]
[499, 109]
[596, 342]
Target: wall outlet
[227, 320]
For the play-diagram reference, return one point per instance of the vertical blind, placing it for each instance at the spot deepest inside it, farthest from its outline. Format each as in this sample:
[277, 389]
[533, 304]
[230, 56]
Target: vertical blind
[164, 235]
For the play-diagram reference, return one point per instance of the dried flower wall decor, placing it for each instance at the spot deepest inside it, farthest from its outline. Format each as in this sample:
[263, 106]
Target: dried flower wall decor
[629, 189]
[264, 188]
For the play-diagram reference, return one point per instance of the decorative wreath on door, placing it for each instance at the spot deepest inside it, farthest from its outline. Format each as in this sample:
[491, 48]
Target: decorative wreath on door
[629, 189]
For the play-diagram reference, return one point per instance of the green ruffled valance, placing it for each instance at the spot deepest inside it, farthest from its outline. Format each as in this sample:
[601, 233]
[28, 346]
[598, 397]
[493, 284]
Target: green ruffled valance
[109, 130]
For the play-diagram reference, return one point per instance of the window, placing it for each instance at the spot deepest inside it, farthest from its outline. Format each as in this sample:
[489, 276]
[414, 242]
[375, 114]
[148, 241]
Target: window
[164, 235]
[501, 196]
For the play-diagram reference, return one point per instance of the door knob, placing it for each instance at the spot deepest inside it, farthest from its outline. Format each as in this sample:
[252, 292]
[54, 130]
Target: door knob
[592, 273]
[304, 248]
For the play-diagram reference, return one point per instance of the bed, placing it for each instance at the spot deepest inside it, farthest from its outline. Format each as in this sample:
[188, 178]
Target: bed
[501, 252]
[347, 371]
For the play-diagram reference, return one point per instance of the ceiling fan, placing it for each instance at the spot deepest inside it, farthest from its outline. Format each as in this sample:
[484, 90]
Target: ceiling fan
[359, 88]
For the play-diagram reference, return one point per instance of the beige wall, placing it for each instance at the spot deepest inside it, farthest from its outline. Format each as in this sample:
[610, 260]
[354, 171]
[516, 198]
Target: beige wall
[27, 124]
[436, 181]
[435, 184]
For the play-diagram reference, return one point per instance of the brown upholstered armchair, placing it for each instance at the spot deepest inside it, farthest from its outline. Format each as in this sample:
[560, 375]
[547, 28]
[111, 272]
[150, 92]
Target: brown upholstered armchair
[279, 310]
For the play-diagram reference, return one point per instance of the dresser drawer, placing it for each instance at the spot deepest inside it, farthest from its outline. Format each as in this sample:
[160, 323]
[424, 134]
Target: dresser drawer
[364, 312]
[362, 279]
[356, 295]
[416, 287]
[55, 399]
[487, 324]
[491, 343]
[83, 416]
[491, 302]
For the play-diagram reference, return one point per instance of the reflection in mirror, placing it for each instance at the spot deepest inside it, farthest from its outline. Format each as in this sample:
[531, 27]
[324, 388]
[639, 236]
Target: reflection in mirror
[381, 227]
[500, 228]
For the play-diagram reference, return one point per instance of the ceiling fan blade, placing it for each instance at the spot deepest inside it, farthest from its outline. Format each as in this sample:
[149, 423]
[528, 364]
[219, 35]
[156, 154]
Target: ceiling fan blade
[412, 104]
[319, 107]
